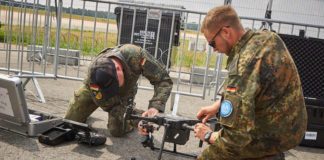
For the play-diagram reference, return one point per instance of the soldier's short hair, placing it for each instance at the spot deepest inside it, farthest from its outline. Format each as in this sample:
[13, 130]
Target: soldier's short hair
[220, 16]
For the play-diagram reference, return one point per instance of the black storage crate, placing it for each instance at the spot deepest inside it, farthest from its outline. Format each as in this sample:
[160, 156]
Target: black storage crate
[152, 31]
[308, 54]
[314, 136]
[315, 115]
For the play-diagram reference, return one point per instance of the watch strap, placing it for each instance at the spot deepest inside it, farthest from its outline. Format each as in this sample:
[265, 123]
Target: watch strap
[207, 136]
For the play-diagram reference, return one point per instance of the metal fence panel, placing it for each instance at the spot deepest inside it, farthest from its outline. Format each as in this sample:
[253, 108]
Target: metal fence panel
[27, 30]
[48, 40]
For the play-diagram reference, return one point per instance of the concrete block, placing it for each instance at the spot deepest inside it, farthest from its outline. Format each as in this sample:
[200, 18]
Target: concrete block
[198, 74]
[201, 45]
[69, 57]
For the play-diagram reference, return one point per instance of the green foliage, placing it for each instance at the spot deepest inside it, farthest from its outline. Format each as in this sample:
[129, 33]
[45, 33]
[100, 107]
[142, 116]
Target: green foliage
[90, 46]
[68, 39]
[2, 35]
[181, 56]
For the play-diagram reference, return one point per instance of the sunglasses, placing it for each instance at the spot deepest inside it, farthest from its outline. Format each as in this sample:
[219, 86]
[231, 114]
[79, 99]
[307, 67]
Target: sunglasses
[212, 42]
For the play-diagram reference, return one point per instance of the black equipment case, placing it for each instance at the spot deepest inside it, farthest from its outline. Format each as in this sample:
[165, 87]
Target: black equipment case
[308, 54]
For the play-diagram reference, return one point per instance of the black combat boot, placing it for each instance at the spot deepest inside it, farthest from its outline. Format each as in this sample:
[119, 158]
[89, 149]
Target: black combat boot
[90, 138]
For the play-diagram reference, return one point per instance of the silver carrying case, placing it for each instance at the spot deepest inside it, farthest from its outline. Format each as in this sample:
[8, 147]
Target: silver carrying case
[14, 113]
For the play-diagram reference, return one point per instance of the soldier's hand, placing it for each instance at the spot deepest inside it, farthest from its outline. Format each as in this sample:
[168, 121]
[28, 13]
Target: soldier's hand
[200, 130]
[150, 112]
[207, 112]
[141, 129]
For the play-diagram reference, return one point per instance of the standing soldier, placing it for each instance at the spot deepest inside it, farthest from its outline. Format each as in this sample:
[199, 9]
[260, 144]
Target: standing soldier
[112, 81]
[262, 110]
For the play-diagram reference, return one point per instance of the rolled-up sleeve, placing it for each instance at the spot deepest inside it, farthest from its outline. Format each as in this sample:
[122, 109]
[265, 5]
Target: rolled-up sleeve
[156, 73]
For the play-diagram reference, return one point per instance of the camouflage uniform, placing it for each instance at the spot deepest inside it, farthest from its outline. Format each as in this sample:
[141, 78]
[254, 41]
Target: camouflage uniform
[84, 103]
[269, 114]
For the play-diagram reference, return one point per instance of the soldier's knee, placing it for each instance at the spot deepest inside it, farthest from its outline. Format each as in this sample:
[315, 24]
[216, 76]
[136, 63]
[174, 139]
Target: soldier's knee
[75, 117]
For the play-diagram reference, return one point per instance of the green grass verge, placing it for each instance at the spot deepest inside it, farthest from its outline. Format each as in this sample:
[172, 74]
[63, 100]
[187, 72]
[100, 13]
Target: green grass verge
[64, 15]
[90, 46]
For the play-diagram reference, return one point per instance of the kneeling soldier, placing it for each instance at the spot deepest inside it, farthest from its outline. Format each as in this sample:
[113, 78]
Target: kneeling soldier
[112, 80]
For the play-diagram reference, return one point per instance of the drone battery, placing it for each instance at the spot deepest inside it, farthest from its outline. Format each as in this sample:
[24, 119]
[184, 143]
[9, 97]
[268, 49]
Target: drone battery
[177, 136]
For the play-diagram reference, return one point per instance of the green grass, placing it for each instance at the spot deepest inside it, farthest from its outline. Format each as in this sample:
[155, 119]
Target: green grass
[91, 46]
[68, 39]
[181, 56]
[64, 15]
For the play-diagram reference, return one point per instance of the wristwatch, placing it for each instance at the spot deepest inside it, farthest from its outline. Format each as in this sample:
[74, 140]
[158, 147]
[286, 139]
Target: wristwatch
[207, 136]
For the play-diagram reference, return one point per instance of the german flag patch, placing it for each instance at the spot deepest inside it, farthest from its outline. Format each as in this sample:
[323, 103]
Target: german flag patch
[231, 89]
[94, 87]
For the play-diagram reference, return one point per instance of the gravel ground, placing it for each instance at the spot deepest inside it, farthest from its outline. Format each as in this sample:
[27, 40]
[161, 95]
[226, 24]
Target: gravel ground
[57, 94]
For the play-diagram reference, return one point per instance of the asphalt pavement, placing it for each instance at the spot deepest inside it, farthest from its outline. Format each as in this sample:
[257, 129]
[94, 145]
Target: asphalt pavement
[57, 94]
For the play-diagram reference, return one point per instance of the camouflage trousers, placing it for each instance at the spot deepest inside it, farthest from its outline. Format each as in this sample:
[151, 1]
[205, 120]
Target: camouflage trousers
[81, 106]
[279, 156]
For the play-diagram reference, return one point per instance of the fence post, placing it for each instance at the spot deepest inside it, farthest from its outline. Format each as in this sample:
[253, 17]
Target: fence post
[175, 97]
[58, 33]
[227, 2]
[219, 70]
[46, 33]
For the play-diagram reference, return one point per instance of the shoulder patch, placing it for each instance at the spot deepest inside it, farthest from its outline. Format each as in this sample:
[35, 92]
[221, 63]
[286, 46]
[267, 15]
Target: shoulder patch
[226, 108]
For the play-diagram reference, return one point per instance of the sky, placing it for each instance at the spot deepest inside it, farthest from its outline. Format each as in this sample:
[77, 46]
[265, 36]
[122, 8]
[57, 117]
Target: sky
[298, 11]
[301, 11]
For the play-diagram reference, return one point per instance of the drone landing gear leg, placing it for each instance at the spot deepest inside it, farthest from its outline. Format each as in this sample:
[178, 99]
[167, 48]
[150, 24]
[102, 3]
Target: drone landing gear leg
[163, 140]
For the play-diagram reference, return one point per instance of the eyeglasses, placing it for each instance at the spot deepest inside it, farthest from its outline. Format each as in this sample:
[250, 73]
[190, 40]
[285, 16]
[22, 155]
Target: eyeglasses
[212, 42]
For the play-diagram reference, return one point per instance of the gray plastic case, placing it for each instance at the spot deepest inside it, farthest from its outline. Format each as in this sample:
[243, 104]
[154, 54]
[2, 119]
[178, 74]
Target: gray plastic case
[14, 113]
